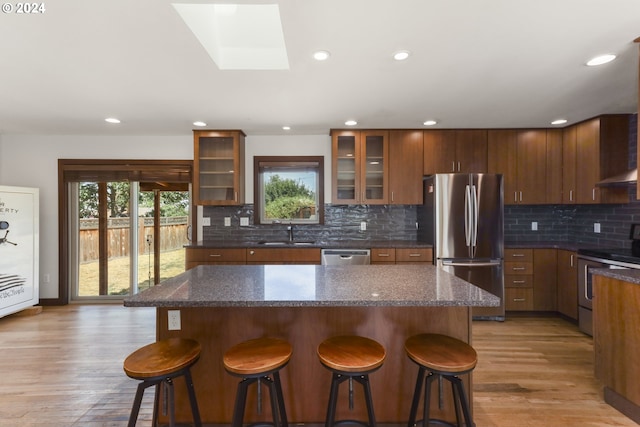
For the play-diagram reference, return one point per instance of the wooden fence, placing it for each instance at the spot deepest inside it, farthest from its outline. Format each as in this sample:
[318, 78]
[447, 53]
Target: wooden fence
[173, 235]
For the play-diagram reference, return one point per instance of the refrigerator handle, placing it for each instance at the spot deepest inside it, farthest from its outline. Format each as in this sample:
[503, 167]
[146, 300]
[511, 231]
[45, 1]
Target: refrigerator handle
[467, 215]
[471, 264]
[475, 218]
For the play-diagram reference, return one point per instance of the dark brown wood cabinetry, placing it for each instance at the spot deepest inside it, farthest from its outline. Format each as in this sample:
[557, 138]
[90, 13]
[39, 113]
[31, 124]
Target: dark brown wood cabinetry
[529, 160]
[218, 167]
[567, 294]
[214, 256]
[452, 151]
[592, 151]
[544, 280]
[518, 279]
[360, 166]
[401, 255]
[406, 166]
[283, 255]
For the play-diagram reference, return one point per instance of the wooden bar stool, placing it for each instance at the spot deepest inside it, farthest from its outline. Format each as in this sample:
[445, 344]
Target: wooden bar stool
[443, 357]
[255, 361]
[350, 358]
[159, 363]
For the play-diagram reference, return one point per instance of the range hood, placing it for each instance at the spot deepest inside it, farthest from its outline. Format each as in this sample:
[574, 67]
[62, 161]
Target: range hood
[627, 178]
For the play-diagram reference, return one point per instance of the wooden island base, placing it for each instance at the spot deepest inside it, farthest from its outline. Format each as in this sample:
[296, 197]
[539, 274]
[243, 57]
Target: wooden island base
[305, 381]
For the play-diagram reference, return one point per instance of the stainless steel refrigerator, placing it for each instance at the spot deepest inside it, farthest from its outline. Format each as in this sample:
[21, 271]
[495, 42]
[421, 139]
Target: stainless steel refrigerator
[462, 216]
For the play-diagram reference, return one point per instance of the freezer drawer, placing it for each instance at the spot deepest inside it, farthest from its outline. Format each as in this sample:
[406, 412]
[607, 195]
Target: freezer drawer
[489, 277]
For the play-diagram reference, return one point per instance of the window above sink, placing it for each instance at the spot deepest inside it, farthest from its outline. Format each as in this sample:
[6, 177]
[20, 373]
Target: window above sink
[288, 190]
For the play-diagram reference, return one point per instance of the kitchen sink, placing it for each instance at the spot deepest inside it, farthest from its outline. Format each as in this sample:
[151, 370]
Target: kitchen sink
[286, 243]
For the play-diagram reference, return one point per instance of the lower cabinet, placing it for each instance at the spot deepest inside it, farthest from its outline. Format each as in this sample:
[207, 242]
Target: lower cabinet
[401, 255]
[541, 280]
[283, 256]
[567, 292]
[214, 256]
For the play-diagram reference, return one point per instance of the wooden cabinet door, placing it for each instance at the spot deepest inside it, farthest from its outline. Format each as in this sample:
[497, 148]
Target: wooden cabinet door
[544, 279]
[531, 166]
[587, 161]
[283, 255]
[501, 158]
[439, 151]
[569, 155]
[218, 167]
[214, 256]
[568, 283]
[406, 167]
[471, 150]
[383, 255]
[554, 166]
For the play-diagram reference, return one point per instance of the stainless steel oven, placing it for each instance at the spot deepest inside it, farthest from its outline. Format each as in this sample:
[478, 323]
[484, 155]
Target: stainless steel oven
[586, 263]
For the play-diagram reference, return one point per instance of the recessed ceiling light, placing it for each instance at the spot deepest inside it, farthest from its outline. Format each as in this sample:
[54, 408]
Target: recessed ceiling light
[321, 55]
[112, 120]
[559, 122]
[286, 127]
[200, 124]
[430, 123]
[401, 55]
[602, 59]
[350, 123]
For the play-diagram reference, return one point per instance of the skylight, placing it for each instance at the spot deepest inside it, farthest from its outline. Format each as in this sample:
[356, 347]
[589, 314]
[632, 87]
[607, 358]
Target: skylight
[238, 36]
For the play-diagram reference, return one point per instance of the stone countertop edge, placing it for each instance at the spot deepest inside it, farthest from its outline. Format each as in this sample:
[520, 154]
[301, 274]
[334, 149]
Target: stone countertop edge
[626, 275]
[351, 244]
[314, 286]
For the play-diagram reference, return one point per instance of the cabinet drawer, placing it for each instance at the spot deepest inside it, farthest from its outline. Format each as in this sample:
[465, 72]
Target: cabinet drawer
[214, 255]
[380, 255]
[518, 299]
[414, 255]
[518, 281]
[518, 255]
[283, 255]
[519, 268]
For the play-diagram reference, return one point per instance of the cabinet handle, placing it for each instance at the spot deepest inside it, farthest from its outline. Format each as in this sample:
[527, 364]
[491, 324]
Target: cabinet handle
[392, 196]
[519, 299]
[571, 260]
[215, 255]
[518, 268]
[515, 196]
[593, 194]
[521, 196]
[251, 252]
[458, 166]
[571, 195]
[235, 197]
[517, 255]
[519, 282]
[383, 255]
[414, 255]
[453, 166]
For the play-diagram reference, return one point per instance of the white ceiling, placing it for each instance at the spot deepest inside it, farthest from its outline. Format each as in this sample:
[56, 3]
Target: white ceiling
[482, 63]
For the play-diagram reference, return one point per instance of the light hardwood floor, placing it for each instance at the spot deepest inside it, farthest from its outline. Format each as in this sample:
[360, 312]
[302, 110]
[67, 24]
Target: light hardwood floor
[63, 367]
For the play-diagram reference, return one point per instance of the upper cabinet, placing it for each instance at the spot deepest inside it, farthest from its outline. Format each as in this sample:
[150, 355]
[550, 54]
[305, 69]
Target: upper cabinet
[592, 151]
[405, 166]
[360, 166]
[521, 156]
[452, 151]
[218, 167]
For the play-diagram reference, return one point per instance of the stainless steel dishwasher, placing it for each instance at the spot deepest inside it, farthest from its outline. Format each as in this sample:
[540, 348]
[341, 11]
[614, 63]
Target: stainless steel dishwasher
[346, 256]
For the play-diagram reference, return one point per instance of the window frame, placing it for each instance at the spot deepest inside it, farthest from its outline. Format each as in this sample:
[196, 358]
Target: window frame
[283, 161]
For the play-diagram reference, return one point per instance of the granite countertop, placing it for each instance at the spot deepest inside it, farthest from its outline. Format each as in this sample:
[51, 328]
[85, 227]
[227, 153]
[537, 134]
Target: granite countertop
[630, 275]
[351, 244]
[313, 286]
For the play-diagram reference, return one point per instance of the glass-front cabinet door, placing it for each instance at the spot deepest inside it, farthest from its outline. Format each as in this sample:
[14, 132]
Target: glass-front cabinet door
[360, 167]
[219, 167]
[346, 167]
[375, 167]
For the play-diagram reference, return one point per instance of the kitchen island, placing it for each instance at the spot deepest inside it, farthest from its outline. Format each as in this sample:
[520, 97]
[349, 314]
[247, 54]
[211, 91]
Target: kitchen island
[223, 305]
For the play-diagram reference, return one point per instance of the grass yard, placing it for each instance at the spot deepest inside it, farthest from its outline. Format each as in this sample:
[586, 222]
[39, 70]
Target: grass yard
[171, 264]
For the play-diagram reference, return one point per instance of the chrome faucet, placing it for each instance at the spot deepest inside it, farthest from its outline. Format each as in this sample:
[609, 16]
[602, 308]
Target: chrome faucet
[290, 229]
